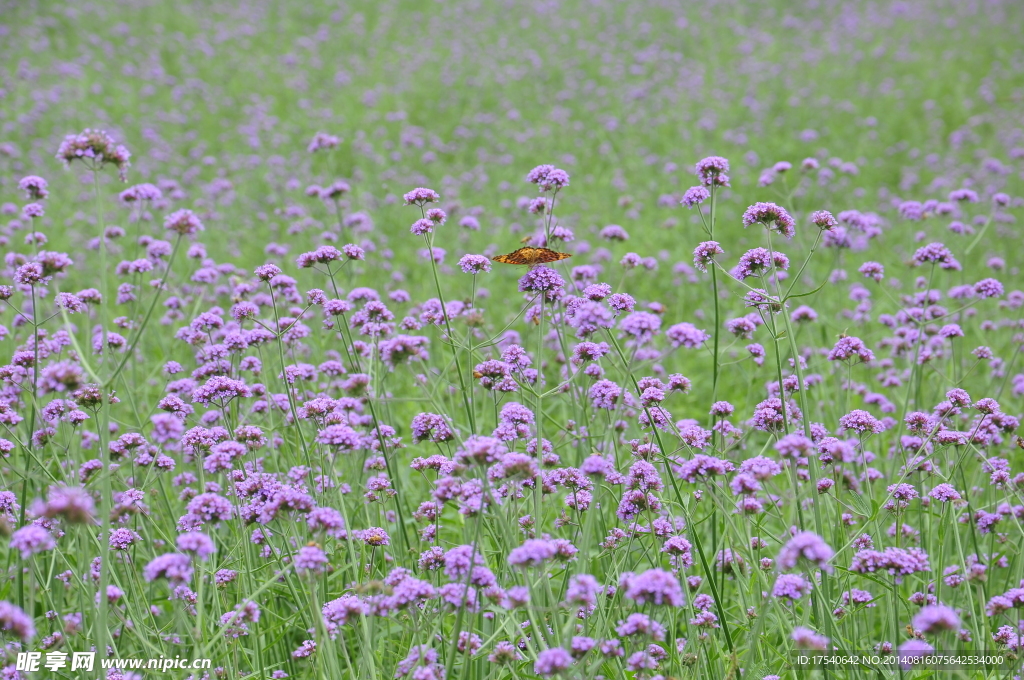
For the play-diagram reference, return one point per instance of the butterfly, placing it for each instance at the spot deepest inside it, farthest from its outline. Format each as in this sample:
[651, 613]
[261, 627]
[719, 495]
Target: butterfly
[531, 256]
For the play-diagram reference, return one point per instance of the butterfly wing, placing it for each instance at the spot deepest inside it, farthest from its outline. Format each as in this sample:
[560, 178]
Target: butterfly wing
[511, 258]
[521, 256]
[548, 255]
[531, 256]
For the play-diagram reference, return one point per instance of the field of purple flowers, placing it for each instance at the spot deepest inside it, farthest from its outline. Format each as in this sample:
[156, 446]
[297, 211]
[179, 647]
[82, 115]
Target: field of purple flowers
[266, 398]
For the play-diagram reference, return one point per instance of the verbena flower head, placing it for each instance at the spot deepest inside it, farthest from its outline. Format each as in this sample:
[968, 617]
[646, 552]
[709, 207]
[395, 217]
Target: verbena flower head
[335, 190]
[432, 427]
[806, 545]
[532, 553]
[935, 619]
[913, 649]
[322, 142]
[310, 559]
[872, 270]
[323, 255]
[219, 390]
[760, 261]
[761, 300]
[964, 195]
[791, 586]
[614, 232]
[686, 335]
[184, 222]
[140, 193]
[421, 227]
[474, 264]
[988, 288]
[552, 662]
[543, 280]
[944, 493]
[32, 539]
[641, 327]
[122, 539]
[266, 272]
[850, 349]
[694, 196]
[640, 625]
[174, 567]
[96, 148]
[196, 543]
[936, 254]
[805, 638]
[861, 421]
[14, 621]
[353, 252]
[346, 609]
[374, 537]
[712, 171]
[72, 504]
[896, 561]
[771, 414]
[35, 188]
[900, 496]
[772, 217]
[823, 219]
[548, 177]
[656, 586]
[421, 197]
[704, 254]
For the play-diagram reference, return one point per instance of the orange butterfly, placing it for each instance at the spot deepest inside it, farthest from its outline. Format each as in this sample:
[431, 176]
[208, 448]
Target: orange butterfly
[531, 256]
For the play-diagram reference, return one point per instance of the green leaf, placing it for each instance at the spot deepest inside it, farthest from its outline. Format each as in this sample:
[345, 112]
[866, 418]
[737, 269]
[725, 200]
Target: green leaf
[860, 504]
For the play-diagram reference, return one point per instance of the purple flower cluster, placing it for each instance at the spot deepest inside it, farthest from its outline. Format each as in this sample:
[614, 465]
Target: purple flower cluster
[773, 217]
[656, 586]
[806, 545]
[96, 148]
[897, 561]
